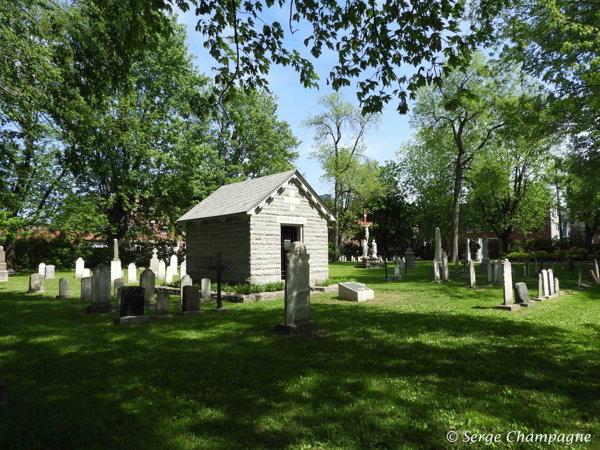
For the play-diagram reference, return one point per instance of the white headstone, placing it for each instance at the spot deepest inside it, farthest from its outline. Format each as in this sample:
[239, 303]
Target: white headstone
[174, 264]
[131, 273]
[445, 272]
[468, 251]
[436, 271]
[508, 285]
[374, 249]
[115, 271]
[545, 281]
[154, 262]
[472, 278]
[551, 281]
[42, 269]
[169, 275]
[79, 265]
[161, 270]
[86, 273]
[183, 269]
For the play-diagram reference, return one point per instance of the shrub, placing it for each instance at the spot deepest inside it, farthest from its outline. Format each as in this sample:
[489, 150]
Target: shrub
[518, 256]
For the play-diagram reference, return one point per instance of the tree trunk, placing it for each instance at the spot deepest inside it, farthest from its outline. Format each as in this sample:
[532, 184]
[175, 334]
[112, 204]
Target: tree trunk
[589, 238]
[456, 204]
[506, 240]
[336, 226]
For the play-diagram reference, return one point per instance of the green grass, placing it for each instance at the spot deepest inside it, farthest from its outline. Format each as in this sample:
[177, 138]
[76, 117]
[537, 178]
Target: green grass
[397, 372]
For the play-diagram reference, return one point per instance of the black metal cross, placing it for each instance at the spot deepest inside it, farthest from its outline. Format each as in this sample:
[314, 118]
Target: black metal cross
[219, 267]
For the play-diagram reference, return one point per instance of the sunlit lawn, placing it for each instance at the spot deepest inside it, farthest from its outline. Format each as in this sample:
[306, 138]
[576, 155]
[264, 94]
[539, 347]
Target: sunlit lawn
[397, 372]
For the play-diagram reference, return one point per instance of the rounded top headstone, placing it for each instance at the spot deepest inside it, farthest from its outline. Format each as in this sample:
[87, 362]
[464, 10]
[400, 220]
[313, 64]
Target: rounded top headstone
[1, 248]
[298, 248]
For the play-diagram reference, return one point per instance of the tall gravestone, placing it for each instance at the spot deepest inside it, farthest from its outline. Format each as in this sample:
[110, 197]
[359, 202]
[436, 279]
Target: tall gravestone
[42, 269]
[436, 271]
[509, 304]
[115, 264]
[131, 309]
[183, 269]
[438, 245]
[445, 271]
[545, 283]
[551, 282]
[50, 272]
[131, 273]
[3, 271]
[297, 293]
[63, 288]
[154, 262]
[79, 266]
[119, 283]
[410, 258]
[205, 289]
[101, 302]
[185, 281]
[540, 290]
[36, 283]
[472, 278]
[173, 264]
[468, 251]
[161, 270]
[191, 301]
[148, 282]
[162, 306]
[479, 255]
[86, 289]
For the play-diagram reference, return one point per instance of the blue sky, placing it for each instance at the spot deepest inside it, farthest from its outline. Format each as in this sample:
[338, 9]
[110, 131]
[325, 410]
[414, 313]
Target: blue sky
[296, 103]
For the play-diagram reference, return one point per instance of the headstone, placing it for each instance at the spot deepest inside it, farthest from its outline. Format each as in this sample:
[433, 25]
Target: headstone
[161, 270]
[42, 269]
[63, 288]
[205, 289]
[86, 273]
[410, 258]
[540, 290]
[499, 273]
[592, 277]
[169, 275]
[131, 310]
[191, 301]
[556, 286]
[86, 289]
[508, 304]
[122, 274]
[3, 271]
[162, 306]
[468, 252]
[545, 283]
[183, 269]
[436, 271]
[186, 281]
[101, 284]
[445, 272]
[79, 266]
[355, 292]
[119, 282]
[551, 281]
[374, 249]
[148, 282]
[472, 278]
[154, 262]
[490, 273]
[115, 264]
[485, 257]
[397, 276]
[522, 295]
[596, 269]
[297, 293]
[173, 264]
[36, 283]
[50, 272]
[438, 244]
[131, 273]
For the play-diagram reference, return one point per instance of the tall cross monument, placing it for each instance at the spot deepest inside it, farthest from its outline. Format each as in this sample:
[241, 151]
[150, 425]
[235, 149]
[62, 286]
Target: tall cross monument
[365, 224]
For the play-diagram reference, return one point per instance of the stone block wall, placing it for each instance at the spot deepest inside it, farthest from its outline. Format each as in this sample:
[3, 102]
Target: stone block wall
[228, 235]
[289, 207]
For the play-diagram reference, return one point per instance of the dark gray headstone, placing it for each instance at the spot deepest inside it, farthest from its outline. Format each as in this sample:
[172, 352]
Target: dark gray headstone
[148, 282]
[86, 289]
[191, 301]
[132, 301]
[521, 293]
[162, 303]
[101, 302]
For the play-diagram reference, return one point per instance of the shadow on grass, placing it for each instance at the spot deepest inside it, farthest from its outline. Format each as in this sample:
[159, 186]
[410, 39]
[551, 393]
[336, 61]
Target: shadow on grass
[372, 378]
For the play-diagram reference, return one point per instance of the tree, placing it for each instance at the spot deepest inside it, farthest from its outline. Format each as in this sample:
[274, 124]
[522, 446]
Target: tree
[458, 119]
[340, 156]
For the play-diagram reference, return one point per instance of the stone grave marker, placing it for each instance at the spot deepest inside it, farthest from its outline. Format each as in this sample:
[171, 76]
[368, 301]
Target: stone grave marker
[42, 269]
[161, 270]
[119, 282]
[191, 301]
[131, 310]
[479, 254]
[522, 295]
[355, 292]
[445, 272]
[154, 262]
[183, 269]
[490, 273]
[63, 288]
[509, 304]
[131, 273]
[297, 317]
[410, 258]
[3, 271]
[173, 264]
[79, 266]
[472, 278]
[36, 283]
[185, 281]
[86, 289]
[557, 286]
[115, 264]
[205, 289]
[592, 277]
[551, 282]
[86, 273]
[169, 275]
[50, 272]
[545, 283]
[162, 306]
[148, 282]
[101, 285]
[540, 291]
[436, 271]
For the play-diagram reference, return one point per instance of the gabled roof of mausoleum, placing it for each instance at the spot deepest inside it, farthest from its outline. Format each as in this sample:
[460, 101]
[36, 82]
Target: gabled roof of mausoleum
[249, 197]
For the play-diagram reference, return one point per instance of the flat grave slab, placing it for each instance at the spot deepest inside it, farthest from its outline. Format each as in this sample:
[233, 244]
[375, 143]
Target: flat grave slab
[355, 292]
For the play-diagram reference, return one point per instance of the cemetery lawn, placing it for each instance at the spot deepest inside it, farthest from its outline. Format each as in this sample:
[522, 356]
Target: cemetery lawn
[397, 372]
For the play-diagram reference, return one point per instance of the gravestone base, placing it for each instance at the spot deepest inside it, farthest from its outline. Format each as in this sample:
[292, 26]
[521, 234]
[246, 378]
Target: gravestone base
[298, 328]
[64, 296]
[130, 320]
[220, 309]
[162, 316]
[540, 299]
[529, 304]
[189, 313]
[34, 291]
[512, 307]
[100, 309]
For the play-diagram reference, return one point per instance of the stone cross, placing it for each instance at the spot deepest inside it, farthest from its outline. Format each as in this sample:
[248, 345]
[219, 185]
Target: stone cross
[365, 224]
[219, 268]
[116, 250]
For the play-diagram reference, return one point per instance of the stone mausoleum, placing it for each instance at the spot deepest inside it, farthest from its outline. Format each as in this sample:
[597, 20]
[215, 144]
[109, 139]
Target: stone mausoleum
[248, 222]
